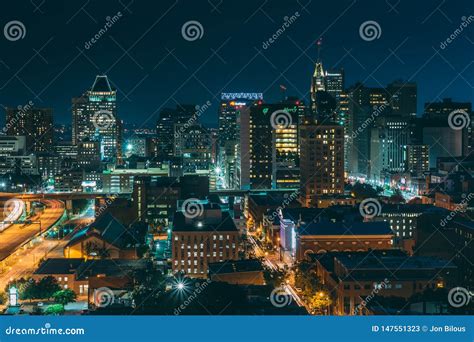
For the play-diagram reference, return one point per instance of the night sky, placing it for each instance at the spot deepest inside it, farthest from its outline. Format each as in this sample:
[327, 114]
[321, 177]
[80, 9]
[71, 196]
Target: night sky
[153, 66]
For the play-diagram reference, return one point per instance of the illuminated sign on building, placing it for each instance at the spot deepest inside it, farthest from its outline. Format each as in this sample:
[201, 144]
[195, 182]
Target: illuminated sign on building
[242, 96]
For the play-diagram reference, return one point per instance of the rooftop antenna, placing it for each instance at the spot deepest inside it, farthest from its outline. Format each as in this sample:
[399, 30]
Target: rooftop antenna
[319, 42]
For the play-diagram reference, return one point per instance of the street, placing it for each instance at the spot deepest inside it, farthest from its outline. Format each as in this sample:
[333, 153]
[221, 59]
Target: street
[18, 261]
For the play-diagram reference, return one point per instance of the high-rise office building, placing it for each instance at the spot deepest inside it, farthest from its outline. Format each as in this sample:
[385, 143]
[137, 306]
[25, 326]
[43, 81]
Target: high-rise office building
[36, 124]
[88, 154]
[285, 157]
[334, 83]
[324, 82]
[344, 119]
[389, 136]
[165, 129]
[94, 116]
[164, 135]
[417, 159]
[321, 161]
[365, 106]
[228, 113]
[441, 110]
[317, 84]
[402, 98]
[273, 141]
[193, 145]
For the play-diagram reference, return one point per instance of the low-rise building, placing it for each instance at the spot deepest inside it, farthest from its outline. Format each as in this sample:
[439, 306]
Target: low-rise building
[241, 272]
[106, 238]
[356, 278]
[199, 239]
[323, 237]
[84, 277]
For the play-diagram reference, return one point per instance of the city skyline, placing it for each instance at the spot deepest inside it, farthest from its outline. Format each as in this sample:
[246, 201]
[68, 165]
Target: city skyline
[336, 180]
[407, 48]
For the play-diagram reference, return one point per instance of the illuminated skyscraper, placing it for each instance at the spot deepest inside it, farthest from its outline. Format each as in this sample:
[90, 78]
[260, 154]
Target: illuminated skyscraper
[192, 143]
[402, 98]
[36, 124]
[389, 137]
[94, 116]
[273, 144]
[317, 84]
[229, 111]
[321, 161]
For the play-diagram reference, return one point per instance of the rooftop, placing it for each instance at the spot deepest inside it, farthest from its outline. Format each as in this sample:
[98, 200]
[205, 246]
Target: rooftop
[341, 228]
[101, 84]
[109, 268]
[250, 265]
[59, 266]
[203, 222]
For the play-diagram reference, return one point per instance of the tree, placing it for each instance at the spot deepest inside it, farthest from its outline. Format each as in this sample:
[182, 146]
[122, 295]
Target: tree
[46, 287]
[55, 309]
[306, 279]
[273, 277]
[3, 298]
[362, 191]
[319, 302]
[64, 297]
